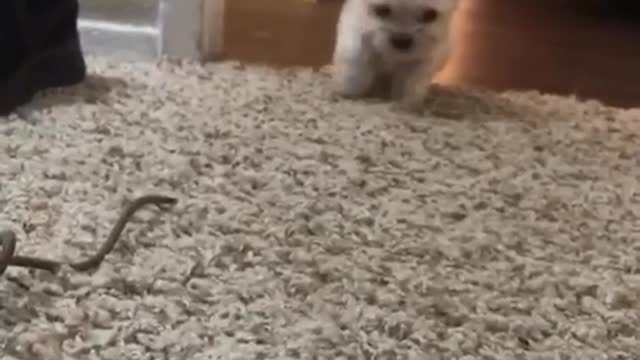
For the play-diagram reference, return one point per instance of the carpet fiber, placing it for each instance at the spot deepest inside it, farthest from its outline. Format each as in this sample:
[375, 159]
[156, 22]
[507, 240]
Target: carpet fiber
[494, 227]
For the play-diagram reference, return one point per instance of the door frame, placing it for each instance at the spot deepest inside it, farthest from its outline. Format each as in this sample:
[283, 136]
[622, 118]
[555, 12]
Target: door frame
[212, 29]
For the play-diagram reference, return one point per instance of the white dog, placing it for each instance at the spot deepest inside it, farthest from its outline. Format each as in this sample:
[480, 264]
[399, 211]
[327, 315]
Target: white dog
[403, 42]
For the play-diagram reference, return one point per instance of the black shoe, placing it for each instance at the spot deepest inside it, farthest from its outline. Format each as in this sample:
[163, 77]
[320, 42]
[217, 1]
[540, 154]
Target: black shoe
[40, 48]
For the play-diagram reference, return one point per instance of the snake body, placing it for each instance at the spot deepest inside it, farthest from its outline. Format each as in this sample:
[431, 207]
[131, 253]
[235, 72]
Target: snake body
[8, 241]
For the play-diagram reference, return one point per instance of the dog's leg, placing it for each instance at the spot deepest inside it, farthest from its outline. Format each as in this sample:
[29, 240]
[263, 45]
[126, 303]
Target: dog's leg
[417, 81]
[353, 78]
[353, 66]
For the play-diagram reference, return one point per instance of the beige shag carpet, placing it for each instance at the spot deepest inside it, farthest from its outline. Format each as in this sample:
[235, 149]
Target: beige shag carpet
[494, 227]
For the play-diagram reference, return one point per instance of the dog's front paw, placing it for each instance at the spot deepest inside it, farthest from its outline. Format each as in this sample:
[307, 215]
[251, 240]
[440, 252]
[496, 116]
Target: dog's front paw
[342, 92]
[413, 105]
[349, 88]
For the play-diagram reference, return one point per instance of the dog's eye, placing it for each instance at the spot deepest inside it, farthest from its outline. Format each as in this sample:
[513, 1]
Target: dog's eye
[382, 11]
[428, 16]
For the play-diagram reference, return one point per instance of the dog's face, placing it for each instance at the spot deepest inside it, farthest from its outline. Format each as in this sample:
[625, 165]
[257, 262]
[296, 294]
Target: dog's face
[405, 29]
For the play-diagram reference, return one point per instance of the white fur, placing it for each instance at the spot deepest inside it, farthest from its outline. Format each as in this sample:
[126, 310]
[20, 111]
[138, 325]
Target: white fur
[363, 54]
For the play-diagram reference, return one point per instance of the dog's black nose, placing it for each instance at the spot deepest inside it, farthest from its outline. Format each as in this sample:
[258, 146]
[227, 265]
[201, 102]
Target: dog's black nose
[401, 41]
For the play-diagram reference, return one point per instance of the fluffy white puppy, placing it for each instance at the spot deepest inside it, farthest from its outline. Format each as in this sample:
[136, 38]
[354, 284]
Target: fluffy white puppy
[392, 45]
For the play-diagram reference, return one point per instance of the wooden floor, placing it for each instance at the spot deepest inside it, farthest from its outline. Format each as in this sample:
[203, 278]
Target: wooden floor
[590, 48]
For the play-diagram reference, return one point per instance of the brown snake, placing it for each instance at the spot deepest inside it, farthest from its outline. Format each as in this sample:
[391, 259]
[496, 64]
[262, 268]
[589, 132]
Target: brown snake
[8, 241]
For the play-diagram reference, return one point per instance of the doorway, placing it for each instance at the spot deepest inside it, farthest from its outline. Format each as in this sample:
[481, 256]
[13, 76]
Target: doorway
[588, 48]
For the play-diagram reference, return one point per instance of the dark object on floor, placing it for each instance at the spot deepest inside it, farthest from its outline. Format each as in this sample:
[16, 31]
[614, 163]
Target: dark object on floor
[40, 48]
[8, 241]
